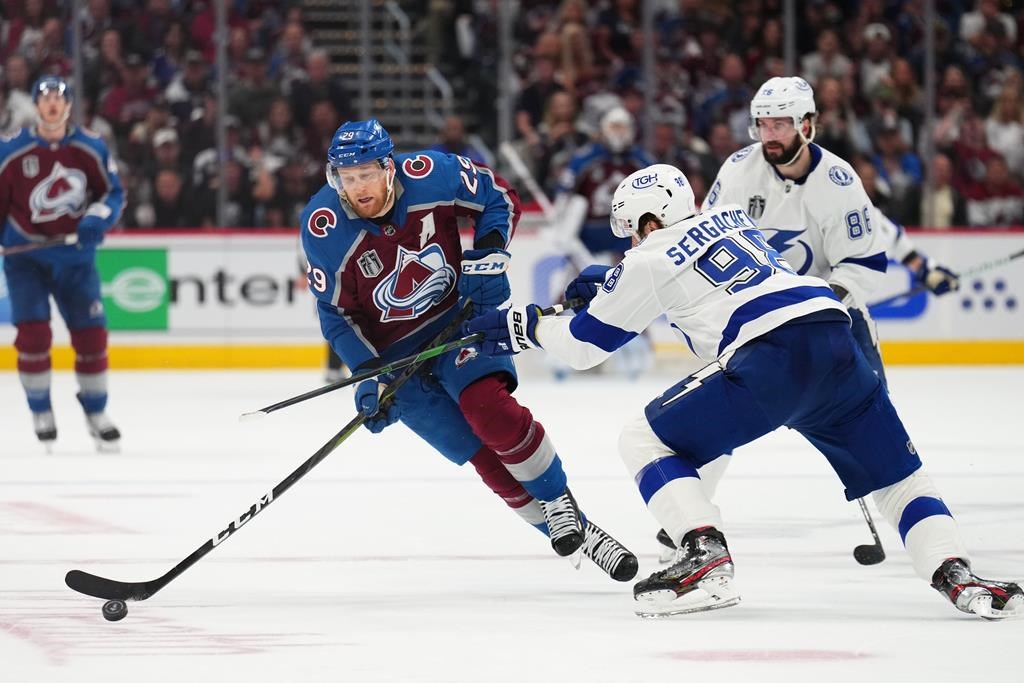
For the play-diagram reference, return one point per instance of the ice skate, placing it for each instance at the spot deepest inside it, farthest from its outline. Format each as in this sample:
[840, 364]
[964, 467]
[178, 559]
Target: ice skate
[106, 435]
[565, 525]
[988, 599]
[698, 581]
[666, 548]
[609, 554]
[46, 429]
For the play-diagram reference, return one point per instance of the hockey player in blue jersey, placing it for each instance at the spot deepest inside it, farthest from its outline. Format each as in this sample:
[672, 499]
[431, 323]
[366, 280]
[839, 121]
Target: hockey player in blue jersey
[388, 269]
[780, 352]
[56, 181]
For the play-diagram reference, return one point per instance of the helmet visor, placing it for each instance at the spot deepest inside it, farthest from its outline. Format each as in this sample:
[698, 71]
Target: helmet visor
[350, 177]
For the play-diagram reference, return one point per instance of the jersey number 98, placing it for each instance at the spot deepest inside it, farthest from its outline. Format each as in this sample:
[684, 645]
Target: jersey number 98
[740, 261]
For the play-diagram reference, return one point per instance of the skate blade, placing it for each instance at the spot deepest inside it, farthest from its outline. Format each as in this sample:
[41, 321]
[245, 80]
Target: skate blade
[982, 607]
[107, 447]
[576, 558]
[710, 594]
[47, 446]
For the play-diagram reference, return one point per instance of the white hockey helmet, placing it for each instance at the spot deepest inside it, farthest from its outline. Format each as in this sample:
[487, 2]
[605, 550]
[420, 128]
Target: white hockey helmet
[782, 97]
[660, 190]
[617, 129]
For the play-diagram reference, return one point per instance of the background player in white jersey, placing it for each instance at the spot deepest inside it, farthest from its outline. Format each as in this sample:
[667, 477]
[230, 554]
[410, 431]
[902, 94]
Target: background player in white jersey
[781, 353]
[812, 208]
[58, 181]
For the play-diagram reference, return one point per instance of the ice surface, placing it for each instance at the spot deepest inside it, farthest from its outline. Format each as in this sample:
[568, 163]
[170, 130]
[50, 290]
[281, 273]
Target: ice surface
[387, 563]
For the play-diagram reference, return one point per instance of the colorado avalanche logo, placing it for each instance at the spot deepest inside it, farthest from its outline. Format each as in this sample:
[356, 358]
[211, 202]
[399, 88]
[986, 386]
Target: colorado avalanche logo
[62, 193]
[465, 355]
[420, 280]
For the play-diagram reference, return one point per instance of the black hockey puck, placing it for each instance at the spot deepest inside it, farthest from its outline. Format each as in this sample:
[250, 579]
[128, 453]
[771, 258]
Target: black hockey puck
[868, 554]
[114, 610]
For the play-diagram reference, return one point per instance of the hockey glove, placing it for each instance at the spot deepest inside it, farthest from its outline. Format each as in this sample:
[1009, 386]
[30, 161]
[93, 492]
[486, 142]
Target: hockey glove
[586, 284]
[368, 402]
[506, 331]
[937, 278]
[91, 231]
[484, 278]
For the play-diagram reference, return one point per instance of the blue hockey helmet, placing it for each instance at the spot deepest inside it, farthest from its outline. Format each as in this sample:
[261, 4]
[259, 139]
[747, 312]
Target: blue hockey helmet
[359, 142]
[50, 83]
[356, 143]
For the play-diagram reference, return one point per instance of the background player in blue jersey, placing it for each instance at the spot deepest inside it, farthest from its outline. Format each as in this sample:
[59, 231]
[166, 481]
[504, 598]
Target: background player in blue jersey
[781, 353]
[389, 271]
[57, 180]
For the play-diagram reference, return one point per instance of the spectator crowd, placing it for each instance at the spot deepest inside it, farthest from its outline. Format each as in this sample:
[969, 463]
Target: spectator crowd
[149, 79]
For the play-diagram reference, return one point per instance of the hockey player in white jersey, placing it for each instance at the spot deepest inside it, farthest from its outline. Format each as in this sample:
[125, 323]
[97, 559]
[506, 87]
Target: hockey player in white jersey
[813, 209]
[780, 352]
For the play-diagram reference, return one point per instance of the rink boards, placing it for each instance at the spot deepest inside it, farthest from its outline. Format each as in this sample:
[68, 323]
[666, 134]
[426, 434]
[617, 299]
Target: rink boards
[237, 298]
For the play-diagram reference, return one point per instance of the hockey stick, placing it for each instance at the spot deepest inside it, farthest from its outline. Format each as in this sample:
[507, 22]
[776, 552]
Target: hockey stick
[968, 272]
[71, 238]
[109, 589]
[869, 554]
[425, 354]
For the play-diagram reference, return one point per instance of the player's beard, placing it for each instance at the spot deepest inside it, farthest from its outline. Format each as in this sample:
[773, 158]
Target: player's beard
[371, 209]
[783, 156]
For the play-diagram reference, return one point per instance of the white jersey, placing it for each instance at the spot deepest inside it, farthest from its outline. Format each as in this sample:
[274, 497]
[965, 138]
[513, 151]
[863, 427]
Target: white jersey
[824, 224]
[713, 275]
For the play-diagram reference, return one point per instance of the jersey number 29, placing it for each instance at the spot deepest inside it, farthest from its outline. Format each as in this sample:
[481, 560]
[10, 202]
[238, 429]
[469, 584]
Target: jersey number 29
[740, 261]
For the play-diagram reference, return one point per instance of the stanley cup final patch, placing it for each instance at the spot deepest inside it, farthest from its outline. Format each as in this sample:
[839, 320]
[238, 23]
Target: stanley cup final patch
[755, 208]
[370, 264]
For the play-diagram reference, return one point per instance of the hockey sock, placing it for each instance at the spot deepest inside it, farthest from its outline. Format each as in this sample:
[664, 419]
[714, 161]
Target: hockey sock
[32, 343]
[929, 532]
[669, 482]
[519, 442]
[90, 346]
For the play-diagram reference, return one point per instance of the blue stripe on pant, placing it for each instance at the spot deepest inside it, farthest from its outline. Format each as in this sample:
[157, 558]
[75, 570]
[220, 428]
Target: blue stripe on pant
[918, 509]
[660, 472]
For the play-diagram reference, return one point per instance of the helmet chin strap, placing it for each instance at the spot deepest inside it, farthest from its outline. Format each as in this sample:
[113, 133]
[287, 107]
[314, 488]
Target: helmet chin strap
[804, 141]
[389, 200]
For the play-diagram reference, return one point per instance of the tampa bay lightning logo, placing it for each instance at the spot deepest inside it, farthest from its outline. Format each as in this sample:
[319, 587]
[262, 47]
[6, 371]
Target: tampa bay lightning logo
[742, 154]
[840, 176]
[786, 241]
[420, 280]
[61, 193]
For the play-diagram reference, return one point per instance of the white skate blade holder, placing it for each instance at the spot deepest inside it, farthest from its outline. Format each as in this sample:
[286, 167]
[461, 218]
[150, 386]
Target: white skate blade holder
[982, 607]
[710, 594]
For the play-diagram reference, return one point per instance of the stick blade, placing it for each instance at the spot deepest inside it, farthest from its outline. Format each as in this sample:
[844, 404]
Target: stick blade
[252, 416]
[107, 589]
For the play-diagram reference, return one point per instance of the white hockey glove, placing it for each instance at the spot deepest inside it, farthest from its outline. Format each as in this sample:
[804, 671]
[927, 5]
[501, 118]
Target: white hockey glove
[507, 331]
